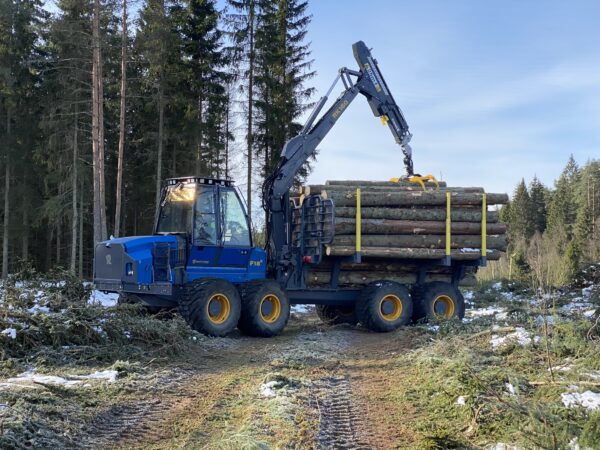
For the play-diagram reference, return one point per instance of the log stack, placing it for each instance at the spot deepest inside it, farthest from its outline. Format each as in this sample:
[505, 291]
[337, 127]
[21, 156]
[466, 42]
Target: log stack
[403, 221]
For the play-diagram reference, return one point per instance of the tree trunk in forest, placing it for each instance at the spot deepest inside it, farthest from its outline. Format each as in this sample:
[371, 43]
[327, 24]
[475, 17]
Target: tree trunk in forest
[427, 214]
[100, 230]
[227, 136]
[74, 185]
[58, 239]
[161, 121]
[250, 135]
[80, 269]
[117, 228]
[25, 238]
[5, 228]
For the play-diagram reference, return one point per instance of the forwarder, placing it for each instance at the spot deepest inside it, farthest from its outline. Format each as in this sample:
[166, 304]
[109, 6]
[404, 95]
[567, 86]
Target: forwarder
[201, 259]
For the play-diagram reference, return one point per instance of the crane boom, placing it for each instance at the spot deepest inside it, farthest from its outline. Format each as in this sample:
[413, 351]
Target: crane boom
[369, 82]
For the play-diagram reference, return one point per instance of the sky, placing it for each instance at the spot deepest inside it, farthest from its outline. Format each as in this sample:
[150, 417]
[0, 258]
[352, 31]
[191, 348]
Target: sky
[492, 91]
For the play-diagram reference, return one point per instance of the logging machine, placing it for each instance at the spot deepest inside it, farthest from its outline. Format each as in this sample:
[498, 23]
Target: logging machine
[201, 258]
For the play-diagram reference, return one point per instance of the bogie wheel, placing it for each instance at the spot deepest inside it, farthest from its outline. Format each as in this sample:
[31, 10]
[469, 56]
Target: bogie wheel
[211, 306]
[265, 308]
[334, 315]
[384, 306]
[438, 301]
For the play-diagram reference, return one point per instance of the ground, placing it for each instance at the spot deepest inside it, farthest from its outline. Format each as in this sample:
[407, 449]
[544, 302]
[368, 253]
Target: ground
[522, 371]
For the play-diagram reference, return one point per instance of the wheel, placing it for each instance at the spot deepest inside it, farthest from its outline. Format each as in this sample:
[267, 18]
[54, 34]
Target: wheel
[211, 306]
[334, 315]
[384, 306]
[438, 301]
[265, 308]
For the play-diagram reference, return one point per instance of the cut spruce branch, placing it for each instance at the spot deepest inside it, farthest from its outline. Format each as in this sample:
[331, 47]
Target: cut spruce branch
[359, 278]
[422, 241]
[429, 214]
[412, 198]
[411, 253]
[385, 226]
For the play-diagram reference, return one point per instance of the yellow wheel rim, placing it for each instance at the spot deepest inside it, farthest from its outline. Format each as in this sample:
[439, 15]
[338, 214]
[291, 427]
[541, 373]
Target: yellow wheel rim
[390, 307]
[218, 308]
[272, 304]
[443, 307]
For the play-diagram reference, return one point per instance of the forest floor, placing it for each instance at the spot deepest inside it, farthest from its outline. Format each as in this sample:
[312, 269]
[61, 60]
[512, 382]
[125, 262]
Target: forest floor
[520, 372]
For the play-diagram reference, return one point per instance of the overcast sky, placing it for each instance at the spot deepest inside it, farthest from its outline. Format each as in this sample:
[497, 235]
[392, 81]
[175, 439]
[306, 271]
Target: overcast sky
[492, 91]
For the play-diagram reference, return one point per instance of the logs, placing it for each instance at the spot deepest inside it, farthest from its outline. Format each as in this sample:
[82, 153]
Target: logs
[401, 223]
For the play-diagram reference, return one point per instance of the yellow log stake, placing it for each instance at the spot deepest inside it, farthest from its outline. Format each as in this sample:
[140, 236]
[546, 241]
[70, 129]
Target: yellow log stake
[358, 219]
[483, 225]
[448, 224]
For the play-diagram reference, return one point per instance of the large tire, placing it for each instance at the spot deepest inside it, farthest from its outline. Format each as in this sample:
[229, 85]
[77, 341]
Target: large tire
[265, 308]
[438, 301]
[211, 306]
[384, 306]
[335, 315]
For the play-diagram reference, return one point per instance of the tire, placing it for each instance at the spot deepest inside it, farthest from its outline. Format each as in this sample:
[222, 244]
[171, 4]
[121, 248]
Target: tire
[335, 315]
[384, 306]
[438, 301]
[211, 306]
[265, 308]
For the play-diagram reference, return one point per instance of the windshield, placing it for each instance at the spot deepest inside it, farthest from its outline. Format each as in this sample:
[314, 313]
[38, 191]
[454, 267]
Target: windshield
[176, 210]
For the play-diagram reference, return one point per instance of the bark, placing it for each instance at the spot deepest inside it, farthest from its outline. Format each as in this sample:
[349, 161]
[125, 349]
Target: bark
[410, 253]
[80, 268]
[425, 198]
[422, 241]
[388, 226]
[380, 183]
[25, 238]
[360, 278]
[161, 119]
[315, 189]
[5, 228]
[428, 214]
[74, 184]
[117, 228]
[58, 239]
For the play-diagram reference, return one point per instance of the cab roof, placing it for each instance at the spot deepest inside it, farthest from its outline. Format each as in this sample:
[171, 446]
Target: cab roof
[200, 180]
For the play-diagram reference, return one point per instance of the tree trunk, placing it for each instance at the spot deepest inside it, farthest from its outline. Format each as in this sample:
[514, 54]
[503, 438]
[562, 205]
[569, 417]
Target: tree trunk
[161, 117]
[25, 238]
[422, 241]
[58, 239]
[388, 226]
[117, 229]
[74, 185]
[427, 214]
[5, 228]
[410, 253]
[80, 269]
[250, 135]
[422, 198]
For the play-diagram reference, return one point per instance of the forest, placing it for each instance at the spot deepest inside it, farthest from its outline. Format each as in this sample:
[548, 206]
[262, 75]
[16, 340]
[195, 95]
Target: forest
[102, 100]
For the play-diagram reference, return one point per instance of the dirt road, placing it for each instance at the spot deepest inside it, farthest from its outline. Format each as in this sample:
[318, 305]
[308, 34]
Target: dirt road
[312, 387]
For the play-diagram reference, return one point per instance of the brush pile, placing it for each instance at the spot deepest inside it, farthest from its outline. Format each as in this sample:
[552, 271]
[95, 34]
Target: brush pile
[404, 221]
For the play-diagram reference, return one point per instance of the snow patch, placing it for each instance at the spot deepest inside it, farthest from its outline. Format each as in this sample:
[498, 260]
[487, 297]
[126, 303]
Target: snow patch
[30, 378]
[301, 309]
[588, 400]
[502, 446]
[106, 299]
[461, 401]
[520, 336]
[10, 332]
[267, 389]
[483, 312]
[510, 389]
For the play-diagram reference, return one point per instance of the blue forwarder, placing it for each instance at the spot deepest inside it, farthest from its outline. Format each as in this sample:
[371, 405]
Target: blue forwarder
[201, 258]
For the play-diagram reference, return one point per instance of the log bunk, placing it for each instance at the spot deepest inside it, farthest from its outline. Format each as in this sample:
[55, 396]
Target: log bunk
[401, 232]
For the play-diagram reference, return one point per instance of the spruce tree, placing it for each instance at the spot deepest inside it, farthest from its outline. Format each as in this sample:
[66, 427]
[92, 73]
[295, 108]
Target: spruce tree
[521, 219]
[562, 210]
[538, 195]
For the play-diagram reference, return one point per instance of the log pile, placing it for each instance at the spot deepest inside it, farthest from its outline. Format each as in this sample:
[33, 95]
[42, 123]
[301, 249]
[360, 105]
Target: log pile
[404, 221]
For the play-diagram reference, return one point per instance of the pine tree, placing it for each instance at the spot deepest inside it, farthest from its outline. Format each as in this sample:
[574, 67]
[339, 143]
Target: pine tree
[538, 195]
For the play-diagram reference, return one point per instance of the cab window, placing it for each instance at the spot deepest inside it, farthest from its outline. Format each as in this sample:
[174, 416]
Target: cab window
[176, 209]
[233, 220]
[205, 222]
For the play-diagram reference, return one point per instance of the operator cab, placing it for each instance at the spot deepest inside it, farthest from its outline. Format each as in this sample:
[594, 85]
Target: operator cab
[208, 210]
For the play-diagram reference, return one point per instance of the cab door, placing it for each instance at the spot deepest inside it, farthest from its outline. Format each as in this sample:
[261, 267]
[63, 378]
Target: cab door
[236, 244]
[204, 249]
